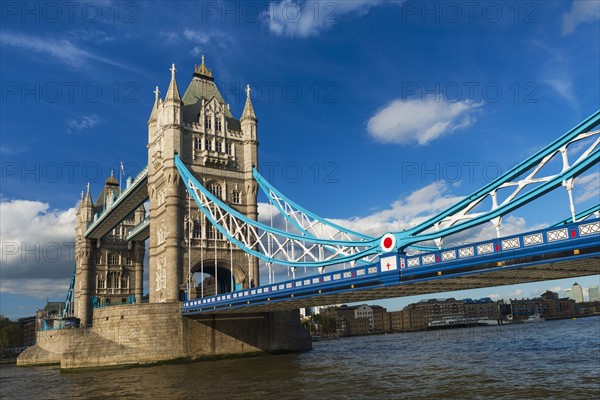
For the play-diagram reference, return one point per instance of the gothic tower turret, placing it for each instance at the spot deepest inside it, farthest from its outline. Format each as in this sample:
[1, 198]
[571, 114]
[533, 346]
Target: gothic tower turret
[249, 125]
[165, 195]
[220, 150]
[84, 260]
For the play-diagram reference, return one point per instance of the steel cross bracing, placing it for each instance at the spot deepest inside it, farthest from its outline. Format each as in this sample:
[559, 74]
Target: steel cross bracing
[267, 243]
[525, 188]
[308, 223]
[312, 225]
[323, 243]
[552, 253]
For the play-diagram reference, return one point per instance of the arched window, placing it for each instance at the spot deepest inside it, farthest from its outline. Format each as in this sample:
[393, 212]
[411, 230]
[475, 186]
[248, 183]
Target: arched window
[212, 232]
[235, 197]
[113, 259]
[207, 122]
[100, 281]
[218, 125]
[196, 231]
[124, 281]
[215, 189]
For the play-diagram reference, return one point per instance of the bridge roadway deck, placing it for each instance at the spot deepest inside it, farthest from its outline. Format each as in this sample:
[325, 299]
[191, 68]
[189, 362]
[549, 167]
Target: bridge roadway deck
[567, 252]
[133, 196]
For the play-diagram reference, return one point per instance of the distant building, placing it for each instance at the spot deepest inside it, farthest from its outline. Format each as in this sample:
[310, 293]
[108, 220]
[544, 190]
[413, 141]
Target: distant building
[27, 326]
[593, 293]
[548, 305]
[576, 293]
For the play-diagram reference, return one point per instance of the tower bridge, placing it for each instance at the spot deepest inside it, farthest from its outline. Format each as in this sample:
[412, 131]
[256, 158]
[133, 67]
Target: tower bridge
[195, 204]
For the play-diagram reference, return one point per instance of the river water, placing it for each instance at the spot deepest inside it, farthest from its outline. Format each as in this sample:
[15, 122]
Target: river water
[553, 359]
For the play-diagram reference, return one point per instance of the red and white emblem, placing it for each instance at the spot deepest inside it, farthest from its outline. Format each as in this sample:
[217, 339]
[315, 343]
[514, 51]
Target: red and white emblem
[389, 263]
[388, 242]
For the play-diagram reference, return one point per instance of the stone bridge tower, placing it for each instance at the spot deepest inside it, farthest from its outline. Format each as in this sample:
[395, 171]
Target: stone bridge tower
[108, 270]
[220, 150]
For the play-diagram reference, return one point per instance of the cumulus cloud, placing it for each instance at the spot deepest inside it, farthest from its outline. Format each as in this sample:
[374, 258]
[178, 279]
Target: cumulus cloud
[420, 120]
[581, 11]
[588, 187]
[37, 248]
[405, 212]
[302, 18]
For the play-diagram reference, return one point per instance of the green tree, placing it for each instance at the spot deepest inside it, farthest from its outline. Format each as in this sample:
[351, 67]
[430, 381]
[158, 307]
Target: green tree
[10, 333]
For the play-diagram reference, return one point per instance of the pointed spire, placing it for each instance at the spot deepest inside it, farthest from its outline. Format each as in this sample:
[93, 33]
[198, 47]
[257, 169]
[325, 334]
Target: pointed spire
[248, 112]
[154, 113]
[173, 91]
[88, 197]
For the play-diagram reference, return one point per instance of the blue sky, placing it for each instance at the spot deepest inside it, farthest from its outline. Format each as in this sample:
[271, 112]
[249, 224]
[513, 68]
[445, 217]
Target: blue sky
[370, 112]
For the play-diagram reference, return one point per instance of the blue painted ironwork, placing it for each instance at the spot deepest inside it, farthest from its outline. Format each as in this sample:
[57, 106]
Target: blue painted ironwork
[67, 311]
[235, 227]
[509, 252]
[582, 215]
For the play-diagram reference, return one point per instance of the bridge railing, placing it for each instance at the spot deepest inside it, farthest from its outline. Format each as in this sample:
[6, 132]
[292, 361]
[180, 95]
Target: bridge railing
[394, 268]
[138, 228]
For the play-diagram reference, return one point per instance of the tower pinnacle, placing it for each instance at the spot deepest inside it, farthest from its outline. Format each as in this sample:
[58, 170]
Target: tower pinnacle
[173, 91]
[202, 71]
[248, 112]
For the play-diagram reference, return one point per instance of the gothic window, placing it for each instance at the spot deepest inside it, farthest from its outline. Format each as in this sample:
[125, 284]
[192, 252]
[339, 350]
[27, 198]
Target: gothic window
[100, 281]
[129, 261]
[228, 149]
[207, 122]
[215, 189]
[235, 197]
[208, 144]
[212, 232]
[218, 125]
[98, 259]
[197, 143]
[125, 282]
[112, 280]
[220, 147]
[196, 232]
[113, 259]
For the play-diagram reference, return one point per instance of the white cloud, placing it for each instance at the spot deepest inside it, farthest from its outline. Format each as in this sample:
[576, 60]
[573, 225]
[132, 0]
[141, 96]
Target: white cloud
[405, 212]
[37, 248]
[515, 293]
[420, 121]
[588, 187]
[62, 50]
[201, 39]
[562, 84]
[581, 11]
[82, 122]
[495, 296]
[196, 36]
[303, 18]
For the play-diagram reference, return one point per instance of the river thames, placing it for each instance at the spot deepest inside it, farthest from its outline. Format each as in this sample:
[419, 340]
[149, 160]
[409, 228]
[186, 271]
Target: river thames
[553, 359]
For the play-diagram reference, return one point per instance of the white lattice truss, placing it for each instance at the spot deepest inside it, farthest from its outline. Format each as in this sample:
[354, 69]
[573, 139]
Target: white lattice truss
[318, 228]
[519, 187]
[276, 246]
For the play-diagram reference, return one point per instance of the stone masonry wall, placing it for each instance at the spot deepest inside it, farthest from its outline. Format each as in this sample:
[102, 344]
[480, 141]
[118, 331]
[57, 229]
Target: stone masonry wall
[50, 346]
[149, 333]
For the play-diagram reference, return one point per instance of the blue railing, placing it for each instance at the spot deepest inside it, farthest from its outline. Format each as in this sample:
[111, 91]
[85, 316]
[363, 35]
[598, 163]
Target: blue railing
[394, 268]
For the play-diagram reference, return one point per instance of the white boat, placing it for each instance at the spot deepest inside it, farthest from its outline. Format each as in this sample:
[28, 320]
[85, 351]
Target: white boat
[534, 318]
[485, 321]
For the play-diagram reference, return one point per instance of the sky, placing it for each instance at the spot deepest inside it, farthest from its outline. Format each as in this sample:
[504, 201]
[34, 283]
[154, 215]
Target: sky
[375, 114]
